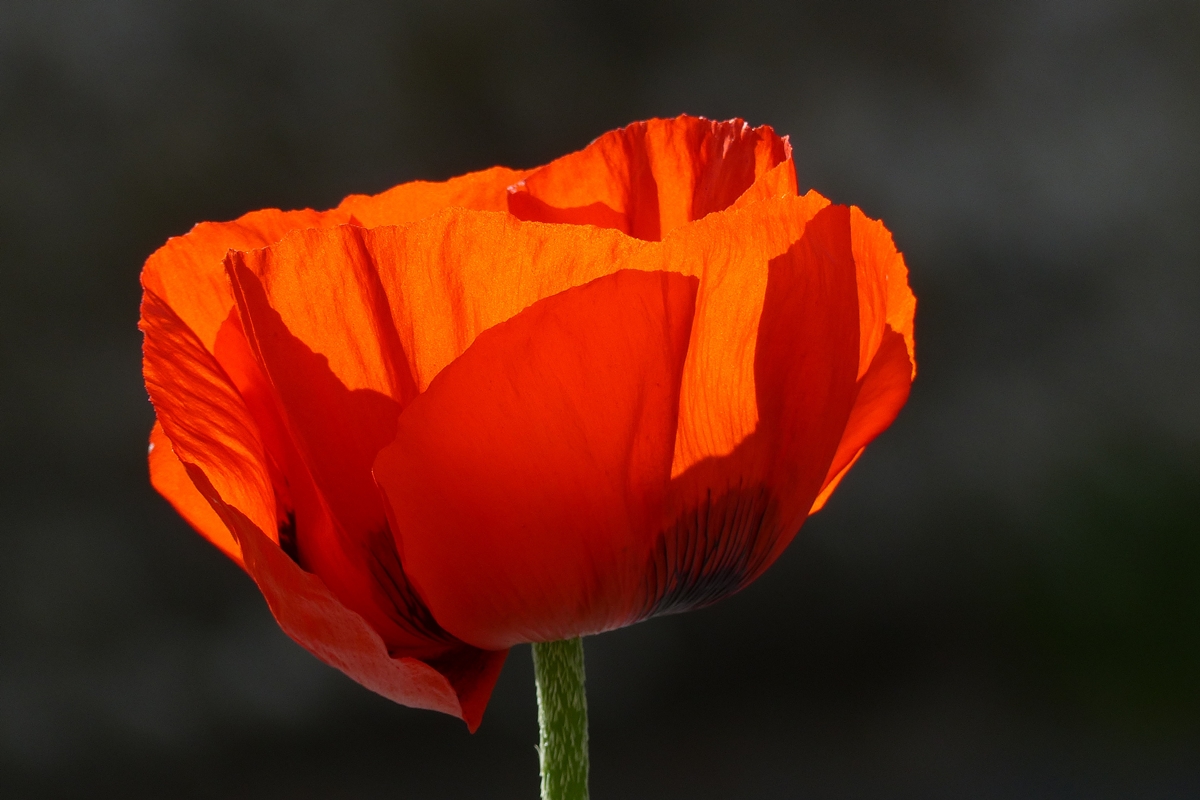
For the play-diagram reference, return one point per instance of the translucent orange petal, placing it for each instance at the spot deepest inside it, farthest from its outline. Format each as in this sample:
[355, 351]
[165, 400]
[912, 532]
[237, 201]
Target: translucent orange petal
[726, 516]
[650, 177]
[350, 323]
[454, 275]
[207, 425]
[232, 351]
[358, 564]
[389, 308]
[319, 321]
[731, 253]
[187, 271]
[333, 431]
[526, 481]
[885, 300]
[776, 183]
[203, 415]
[730, 514]
[804, 367]
[486, 190]
[832, 483]
[881, 394]
[339, 319]
[886, 360]
[170, 478]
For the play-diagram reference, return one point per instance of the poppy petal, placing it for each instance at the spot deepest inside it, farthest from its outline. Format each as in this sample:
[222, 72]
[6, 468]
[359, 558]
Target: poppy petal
[452, 276]
[169, 477]
[315, 619]
[343, 318]
[777, 182]
[341, 530]
[187, 272]
[885, 299]
[881, 394]
[718, 398]
[212, 428]
[317, 317]
[203, 415]
[886, 362]
[526, 481]
[650, 177]
[444, 280]
[211, 431]
[804, 364]
[336, 315]
[730, 514]
[232, 351]
[486, 190]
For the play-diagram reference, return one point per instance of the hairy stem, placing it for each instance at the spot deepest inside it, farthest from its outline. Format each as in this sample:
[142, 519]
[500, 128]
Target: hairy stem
[562, 719]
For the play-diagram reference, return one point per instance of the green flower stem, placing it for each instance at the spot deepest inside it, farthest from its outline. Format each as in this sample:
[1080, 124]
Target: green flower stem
[562, 718]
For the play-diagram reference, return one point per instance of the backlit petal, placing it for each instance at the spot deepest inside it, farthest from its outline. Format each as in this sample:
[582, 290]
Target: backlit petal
[452, 276]
[886, 360]
[339, 317]
[203, 415]
[318, 319]
[730, 514]
[187, 271]
[718, 400]
[350, 323]
[486, 190]
[650, 177]
[777, 182]
[885, 300]
[170, 478]
[804, 365]
[334, 431]
[207, 425]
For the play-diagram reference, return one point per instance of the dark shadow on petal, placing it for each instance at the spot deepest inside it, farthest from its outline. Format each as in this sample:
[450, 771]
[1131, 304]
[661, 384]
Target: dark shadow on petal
[525, 206]
[341, 531]
[457, 680]
[734, 514]
[711, 549]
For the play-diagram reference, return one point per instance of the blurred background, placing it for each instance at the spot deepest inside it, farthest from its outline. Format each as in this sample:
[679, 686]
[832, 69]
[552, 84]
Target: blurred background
[1002, 600]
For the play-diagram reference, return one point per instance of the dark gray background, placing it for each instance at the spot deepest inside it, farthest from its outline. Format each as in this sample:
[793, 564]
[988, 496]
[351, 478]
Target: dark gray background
[1003, 599]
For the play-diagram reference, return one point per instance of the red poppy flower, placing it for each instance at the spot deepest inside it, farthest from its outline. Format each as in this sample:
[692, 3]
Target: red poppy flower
[521, 406]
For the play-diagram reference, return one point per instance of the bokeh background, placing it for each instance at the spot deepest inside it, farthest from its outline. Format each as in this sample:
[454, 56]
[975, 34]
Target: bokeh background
[1002, 600]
